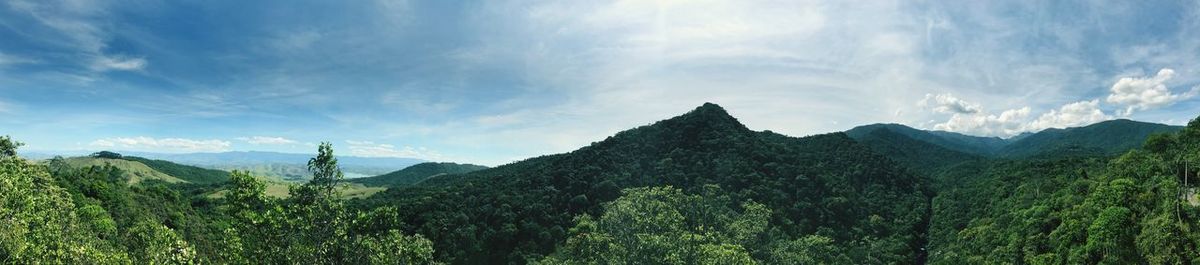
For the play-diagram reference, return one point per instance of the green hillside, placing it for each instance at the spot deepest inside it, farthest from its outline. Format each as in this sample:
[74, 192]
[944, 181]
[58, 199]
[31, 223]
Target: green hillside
[957, 142]
[1108, 137]
[187, 173]
[1103, 138]
[416, 173]
[918, 155]
[825, 186]
[135, 171]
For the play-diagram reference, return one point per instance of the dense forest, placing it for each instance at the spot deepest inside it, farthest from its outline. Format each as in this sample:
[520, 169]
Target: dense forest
[700, 188]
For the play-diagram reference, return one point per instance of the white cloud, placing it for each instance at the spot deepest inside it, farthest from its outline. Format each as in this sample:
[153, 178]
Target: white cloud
[81, 26]
[1071, 115]
[1008, 123]
[267, 140]
[1015, 121]
[946, 103]
[106, 63]
[1145, 93]
[6, 59]
[142, 143]
[372, 149]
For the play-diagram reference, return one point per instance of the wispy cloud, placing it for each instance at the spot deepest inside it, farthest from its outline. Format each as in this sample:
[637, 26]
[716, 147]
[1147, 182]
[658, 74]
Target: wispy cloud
[372, 149]
[142, 143]
[78, 26]
[499, 80]
[267, 140]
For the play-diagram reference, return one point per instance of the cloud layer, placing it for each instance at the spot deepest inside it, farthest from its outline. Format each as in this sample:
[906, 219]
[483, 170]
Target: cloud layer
[142, 143]
[372, 149]
[267, 140]
[1145, 93]
[494, 81]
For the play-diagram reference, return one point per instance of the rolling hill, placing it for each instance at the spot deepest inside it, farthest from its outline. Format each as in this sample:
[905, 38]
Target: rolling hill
[416, 173]
[135, 171]
[187, 173]
[138, 169]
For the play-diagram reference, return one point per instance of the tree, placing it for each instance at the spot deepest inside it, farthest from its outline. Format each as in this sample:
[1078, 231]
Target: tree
[38, 219]
[8, 147]
[662, 225]
[392, 247]
[153, 243]
[1110, 237]
[312, 226]
[106, 154]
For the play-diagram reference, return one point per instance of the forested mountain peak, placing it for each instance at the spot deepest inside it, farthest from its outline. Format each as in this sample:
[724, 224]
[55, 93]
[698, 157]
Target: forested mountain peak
[821, 187]
[708, 121]
[705, 117]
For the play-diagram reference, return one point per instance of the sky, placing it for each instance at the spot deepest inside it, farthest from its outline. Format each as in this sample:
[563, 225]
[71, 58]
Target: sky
[493, 82]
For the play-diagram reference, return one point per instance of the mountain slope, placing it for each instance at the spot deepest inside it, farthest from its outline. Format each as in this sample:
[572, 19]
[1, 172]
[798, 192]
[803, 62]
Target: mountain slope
[134, 171]
[949, 140]
[416, 173]
[824, 184]
[918, 155]
[1103, 138]
[191, 174]
[1108, 138]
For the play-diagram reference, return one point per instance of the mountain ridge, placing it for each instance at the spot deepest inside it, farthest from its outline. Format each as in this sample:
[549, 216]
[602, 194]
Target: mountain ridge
[1106, 137]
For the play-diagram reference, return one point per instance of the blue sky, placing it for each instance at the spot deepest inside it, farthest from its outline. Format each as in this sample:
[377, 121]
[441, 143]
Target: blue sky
[497, 81]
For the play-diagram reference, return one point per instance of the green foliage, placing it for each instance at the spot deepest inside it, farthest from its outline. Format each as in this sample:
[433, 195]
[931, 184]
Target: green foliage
[393, 247]
[153, 243]
[695, 189]
[8, 147]
[1131, 209]
[106, 154]
[41, 223]
[311, 226]
[665, 226]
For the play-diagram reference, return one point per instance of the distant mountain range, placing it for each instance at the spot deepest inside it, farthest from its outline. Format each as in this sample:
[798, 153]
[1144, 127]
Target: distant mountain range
[922, 149]
[285, 166]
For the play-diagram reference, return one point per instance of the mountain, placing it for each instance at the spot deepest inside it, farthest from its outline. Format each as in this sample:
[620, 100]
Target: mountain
[187, 173]
[921, 156]
[1103, 138]
[416, 173]
[949, 140]
[827, 185]
[1107, 138]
